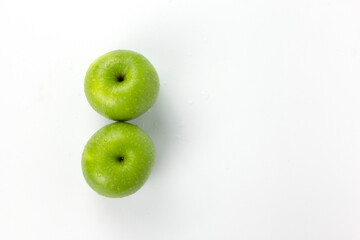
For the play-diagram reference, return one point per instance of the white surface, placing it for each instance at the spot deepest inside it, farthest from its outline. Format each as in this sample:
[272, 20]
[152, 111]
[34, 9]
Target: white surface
[256, 126]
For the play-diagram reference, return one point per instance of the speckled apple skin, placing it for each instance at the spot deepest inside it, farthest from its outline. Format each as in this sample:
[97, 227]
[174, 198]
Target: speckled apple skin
[101, 167]
[125, 100]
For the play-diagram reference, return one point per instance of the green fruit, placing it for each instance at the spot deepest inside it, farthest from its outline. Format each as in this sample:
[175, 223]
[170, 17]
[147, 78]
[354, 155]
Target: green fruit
[117, 160]
[121, 85]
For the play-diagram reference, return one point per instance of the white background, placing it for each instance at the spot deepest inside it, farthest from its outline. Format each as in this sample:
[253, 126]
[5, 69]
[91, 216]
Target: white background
[257, 126]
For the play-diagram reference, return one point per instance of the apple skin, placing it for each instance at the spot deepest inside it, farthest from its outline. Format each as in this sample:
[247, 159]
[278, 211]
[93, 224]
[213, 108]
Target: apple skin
[118, 159]
[121, 85]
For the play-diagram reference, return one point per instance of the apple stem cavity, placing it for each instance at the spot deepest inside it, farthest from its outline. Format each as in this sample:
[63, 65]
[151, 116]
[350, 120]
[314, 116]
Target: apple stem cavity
[120, 159]
[120, 78]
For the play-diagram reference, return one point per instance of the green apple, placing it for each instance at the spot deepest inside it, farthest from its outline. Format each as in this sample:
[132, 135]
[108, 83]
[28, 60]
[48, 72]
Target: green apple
[117, 160]
[121, 85]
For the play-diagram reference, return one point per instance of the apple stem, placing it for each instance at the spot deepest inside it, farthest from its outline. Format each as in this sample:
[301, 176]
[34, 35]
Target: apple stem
[120, 78]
